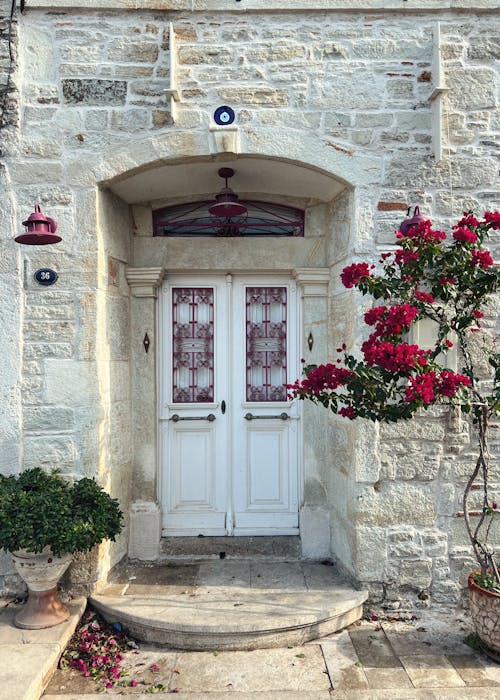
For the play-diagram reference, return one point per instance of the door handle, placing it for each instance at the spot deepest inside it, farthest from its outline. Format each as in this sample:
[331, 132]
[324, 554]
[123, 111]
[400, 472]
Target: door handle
[223, 407]
[176, 418]
[251, 416]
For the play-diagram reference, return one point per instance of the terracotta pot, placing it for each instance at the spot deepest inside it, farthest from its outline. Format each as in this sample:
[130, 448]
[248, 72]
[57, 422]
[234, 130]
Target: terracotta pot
[41, 573]
[485, 613]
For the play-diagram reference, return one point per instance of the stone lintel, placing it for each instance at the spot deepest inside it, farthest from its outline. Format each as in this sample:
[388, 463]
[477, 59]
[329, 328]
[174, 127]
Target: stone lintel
[313, 281]
[144, 281]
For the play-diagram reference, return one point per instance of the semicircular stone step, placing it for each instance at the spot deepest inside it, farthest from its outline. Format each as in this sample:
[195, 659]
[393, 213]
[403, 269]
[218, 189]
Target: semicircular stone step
[230, 604]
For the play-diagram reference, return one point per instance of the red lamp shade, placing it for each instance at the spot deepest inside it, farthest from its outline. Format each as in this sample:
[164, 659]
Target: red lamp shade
[226, 202]
[40, 230]
[415, 220]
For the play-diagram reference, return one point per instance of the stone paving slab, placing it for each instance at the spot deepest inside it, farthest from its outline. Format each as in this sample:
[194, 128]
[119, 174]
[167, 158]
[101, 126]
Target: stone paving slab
[422, 637]
[28, 658]
[431, 671]
[271, 670]
[474, 671]
[325, 668]
[373, 648]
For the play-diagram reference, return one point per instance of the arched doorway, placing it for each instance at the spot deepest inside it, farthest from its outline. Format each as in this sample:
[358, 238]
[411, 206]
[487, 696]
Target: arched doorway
[303, 265]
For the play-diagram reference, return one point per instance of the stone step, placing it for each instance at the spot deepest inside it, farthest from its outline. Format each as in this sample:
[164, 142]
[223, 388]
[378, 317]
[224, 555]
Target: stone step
[287, 547]
[230, 605]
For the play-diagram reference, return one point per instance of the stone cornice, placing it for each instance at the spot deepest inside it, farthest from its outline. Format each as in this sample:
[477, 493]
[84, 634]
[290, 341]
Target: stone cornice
[403, 6]
[144, 281]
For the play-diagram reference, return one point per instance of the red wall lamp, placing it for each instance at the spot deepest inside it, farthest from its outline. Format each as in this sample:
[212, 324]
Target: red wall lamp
[40, 229]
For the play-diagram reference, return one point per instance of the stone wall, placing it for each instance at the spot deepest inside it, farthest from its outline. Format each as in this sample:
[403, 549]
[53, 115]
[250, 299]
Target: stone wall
[359, 83]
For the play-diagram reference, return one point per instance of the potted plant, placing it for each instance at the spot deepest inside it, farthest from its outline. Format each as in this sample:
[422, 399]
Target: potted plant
[448, 283]
[44, 520]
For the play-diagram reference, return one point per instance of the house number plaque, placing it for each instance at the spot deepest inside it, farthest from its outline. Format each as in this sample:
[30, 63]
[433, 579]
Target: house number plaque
[46, 276]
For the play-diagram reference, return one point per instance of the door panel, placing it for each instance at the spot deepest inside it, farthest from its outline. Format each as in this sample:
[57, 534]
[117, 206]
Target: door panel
[233, 341]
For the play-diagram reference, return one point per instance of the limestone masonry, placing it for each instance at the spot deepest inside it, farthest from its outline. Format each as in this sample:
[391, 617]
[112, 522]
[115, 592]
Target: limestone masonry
[336, 114]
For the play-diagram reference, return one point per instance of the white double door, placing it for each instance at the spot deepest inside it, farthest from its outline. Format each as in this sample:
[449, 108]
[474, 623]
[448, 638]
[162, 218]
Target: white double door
[230, 439]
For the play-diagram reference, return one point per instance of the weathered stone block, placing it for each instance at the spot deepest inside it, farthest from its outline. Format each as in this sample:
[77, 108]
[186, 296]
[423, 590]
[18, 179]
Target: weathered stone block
[215, 55]
[49, 451]
[477, 83]
[400, 89]
[390, 505]
[126, 51]
[435, 542]
[371, 120]
[130, 119]
[94, 92]
[484, 47]
[330, 50]
[371, 553]
[277, 52]
[255, 96]
[96, 119]
[412, 430]
[163, 118]
[416, 573]
[48, 418]
[404, 542]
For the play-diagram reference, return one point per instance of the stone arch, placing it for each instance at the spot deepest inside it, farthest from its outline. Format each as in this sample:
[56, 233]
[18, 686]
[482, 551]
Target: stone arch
[356, 169]
[307, 153]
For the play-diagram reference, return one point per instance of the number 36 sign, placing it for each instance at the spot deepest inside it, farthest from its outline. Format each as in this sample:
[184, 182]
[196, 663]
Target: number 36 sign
[46, 276]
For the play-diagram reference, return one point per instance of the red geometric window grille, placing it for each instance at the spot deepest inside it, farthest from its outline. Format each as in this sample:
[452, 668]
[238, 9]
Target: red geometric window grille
[193, 345]
[266, 343]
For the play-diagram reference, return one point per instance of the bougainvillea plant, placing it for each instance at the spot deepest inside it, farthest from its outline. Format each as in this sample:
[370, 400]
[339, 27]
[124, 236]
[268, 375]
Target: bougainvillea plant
[449, 281]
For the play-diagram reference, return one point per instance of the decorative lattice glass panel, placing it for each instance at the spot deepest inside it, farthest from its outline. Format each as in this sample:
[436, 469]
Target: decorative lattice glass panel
[266, 343]
[193, 345]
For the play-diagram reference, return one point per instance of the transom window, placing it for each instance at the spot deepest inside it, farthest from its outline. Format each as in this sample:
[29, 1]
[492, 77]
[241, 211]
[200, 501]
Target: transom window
[261, 219]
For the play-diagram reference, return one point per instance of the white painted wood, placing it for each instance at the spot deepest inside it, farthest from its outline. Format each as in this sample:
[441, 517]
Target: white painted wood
[232, 475]
[265, 454]
[193, 453]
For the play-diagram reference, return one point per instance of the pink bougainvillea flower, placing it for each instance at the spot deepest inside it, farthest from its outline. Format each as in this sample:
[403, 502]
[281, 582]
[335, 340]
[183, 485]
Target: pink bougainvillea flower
[422, 386]
[493, 218]
[482, 258]
[399, 357]
[348, 412]
[423, 296]
[352, 274]
[478, 314]
[446, 280]
[391, 320]
[467, 220]
[465, 235]
[154, 667]
[405, 257]
[449, 382]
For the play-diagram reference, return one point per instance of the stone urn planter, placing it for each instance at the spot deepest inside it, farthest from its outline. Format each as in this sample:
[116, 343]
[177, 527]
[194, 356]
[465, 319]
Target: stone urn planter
[485, 613]
[45, 518]
[41, 573]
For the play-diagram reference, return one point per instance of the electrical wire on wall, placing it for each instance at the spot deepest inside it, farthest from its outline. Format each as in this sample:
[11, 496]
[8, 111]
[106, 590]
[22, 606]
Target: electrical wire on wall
[6, 89]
